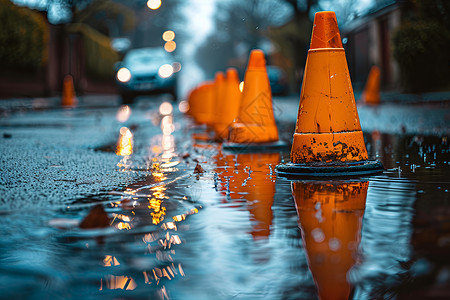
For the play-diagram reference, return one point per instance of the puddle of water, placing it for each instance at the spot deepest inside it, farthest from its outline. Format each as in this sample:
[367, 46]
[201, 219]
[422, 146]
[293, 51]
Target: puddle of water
[238, 231]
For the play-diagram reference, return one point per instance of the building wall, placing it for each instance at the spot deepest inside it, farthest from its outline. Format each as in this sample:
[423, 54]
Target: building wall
[369, 42]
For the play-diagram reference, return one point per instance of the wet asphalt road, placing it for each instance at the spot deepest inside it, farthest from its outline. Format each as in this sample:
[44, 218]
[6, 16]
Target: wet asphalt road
[59, 163]
[54, 156]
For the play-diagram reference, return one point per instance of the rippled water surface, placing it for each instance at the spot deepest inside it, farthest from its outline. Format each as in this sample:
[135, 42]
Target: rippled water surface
[237, 231]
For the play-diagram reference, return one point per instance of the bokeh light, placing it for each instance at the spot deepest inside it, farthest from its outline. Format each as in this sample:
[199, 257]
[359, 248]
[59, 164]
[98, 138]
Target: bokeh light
[123, 113]
[123, 75]
[165, 108]
[165, 71]
[170, 46]
[154, 4]
[183, 106]
[176, 67]
[168, 35]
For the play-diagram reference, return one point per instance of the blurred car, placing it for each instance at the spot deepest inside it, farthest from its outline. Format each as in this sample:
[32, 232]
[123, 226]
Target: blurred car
[146, 71]
[278, 80]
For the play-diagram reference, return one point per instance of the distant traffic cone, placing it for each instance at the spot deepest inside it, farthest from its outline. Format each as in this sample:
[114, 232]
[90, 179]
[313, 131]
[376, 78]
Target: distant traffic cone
[371, 94]
[228, 105]
[255, 123]
[202, 101]
[328, 137]
[68, 93]
[219, 102]
[330, 218]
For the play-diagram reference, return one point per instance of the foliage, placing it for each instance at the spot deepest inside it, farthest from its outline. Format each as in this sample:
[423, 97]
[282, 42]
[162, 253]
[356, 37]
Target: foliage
[24, 37]
[108, 17]
[420, 46]
[100, 57]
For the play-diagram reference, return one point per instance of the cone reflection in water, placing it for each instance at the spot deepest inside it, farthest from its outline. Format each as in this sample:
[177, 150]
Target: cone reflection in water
[255, 122]
[249, 177]
[229, 105]
[328, 127]
[68, 94]
[330, 218]
[371, 94]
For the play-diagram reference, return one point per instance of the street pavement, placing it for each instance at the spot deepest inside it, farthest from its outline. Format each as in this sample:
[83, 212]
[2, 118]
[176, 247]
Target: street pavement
[53, 156]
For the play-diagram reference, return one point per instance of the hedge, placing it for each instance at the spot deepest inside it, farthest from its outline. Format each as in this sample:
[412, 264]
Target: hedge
[100, 56]
[24, 35]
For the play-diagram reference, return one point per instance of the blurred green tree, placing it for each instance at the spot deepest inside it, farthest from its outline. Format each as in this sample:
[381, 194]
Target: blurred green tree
[421, 46]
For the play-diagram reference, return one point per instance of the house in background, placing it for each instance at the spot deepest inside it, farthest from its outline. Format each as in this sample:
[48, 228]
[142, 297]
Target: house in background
[368, 41]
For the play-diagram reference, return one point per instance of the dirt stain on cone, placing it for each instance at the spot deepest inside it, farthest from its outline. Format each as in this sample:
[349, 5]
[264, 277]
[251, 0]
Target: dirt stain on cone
[255, 122]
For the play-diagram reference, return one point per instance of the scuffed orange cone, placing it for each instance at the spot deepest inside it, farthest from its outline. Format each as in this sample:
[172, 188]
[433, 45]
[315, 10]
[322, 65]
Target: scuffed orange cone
[330, 218]
[328, 137]
[228, 105]
[255, 123]
[68, 94]
[371, 94]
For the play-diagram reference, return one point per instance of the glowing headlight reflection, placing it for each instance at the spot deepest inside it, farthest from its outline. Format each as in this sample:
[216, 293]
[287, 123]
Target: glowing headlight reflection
[125, 142]
[123, 75]
[165, 71]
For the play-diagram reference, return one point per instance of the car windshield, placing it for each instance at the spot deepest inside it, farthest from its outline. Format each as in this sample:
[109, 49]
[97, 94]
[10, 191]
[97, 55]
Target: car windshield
[145, 57]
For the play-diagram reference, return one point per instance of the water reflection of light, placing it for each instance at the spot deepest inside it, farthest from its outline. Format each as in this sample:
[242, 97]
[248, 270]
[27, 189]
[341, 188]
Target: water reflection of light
[165, 108]
[118, 282]
[123, 113]
[167, 126]
[125, 142]
[110, 261]
[168, 146]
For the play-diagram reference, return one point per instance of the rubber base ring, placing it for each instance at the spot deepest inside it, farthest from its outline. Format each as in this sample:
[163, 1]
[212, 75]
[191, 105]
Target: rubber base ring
[335, 169]
[256, 147]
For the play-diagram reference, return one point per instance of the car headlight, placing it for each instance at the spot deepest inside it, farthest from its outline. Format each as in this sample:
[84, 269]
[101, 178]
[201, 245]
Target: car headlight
[165, 71]
[123, 75]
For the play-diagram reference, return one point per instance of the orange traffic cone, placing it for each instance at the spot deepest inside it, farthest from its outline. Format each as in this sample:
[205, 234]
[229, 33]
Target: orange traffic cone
[219, 102]
[330, 218]
[371, 94]
[201, 103]
[328, 139]
[228, 105]
[68, 94]
[255, 125]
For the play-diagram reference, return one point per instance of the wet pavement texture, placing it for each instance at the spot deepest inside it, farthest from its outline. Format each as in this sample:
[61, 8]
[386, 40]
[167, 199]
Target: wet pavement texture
[180, 218]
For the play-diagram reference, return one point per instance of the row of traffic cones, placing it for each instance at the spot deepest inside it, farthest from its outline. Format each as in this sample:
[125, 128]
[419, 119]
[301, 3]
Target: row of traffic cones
[328, 140]
[238, 118]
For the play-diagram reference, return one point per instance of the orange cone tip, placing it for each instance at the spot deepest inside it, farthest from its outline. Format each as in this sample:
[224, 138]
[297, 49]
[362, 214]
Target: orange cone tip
[328, 140]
